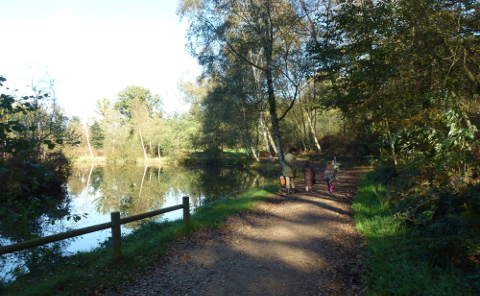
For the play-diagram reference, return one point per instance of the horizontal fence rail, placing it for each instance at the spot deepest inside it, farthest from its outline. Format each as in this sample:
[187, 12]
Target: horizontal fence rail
[114, 224]
[150, 214]
[53, 238]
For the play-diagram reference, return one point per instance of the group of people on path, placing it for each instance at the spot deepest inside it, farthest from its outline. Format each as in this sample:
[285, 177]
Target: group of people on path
[289, 173]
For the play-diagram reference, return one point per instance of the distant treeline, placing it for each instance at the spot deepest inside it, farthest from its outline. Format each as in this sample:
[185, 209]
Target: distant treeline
[133, 127]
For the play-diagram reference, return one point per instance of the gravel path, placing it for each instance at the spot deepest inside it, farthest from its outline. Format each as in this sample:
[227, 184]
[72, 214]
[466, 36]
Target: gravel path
[302, 244]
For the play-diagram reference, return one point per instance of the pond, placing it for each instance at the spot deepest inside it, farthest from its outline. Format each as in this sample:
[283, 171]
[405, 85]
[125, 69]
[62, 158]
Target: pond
[95, 191]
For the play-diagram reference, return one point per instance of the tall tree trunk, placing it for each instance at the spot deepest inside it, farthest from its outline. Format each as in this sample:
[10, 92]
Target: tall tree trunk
[256, 77]
[312, 131]
[143, 179]
[268, 45]
[313, 123]
[392, 145]
[145, 156]
[89, 178]
[254, 153]
[272, 142]
[88, 142]
[255, 181]
[264, 131]
[247, 145]
[303, 129]
[273, 115]
[305, 148]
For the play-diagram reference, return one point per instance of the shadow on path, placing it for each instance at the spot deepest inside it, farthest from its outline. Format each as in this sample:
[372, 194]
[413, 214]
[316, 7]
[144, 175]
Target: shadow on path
[300, 244]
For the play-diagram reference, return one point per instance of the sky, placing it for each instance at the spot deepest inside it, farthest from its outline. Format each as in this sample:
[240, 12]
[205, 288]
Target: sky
[93, 49]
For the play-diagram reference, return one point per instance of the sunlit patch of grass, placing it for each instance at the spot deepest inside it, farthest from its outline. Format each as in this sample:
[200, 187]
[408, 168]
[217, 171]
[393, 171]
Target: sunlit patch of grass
[395, 264]
[78, 274]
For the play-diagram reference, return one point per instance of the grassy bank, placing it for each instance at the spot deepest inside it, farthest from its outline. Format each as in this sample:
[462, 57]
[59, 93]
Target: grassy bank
[396, 263]
[75, 275]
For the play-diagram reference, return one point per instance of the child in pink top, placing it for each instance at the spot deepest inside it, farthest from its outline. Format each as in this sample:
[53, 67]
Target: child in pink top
[309, 176]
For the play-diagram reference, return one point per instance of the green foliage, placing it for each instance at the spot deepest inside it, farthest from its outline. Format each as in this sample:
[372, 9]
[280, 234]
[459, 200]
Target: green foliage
[131, 96]
[217, 158]
[177, 134]
[134, 128]
[228, 119]
[253, 52]
[397, 258]
[224, 113]
[385, 76]
[33, 170]
[400, 73]
[97, 135]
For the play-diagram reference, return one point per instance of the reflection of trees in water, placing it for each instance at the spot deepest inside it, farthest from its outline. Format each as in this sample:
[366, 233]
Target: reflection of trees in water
[123, 189]
[84, 178]
[120, 188]
[77, 182]
[26, 227]
[38, 222]
[223, 181]
[132, 189]
[23, 228]
[37, 214]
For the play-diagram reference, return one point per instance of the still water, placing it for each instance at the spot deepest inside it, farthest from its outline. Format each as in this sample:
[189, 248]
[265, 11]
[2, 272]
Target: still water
[95, 191]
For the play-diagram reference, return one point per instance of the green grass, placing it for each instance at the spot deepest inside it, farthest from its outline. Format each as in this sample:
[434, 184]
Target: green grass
[96, 269]
[395, 261]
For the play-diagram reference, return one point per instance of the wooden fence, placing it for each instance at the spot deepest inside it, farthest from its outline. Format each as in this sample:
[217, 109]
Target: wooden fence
[114, 224]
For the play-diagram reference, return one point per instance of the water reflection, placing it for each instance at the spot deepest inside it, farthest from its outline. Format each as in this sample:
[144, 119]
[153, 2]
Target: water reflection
[132, 189]
[97, 191]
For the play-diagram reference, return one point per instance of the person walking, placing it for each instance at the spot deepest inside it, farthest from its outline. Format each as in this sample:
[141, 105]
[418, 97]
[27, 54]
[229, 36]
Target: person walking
[309, 176]
[289, 169]
[330, 174]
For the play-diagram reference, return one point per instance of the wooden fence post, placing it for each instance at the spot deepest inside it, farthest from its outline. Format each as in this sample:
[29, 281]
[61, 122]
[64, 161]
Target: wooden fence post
[186, 210]
[116, 235]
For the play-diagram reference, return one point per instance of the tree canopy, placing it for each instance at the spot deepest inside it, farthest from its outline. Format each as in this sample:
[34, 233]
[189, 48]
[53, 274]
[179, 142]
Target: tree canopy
[399, 80]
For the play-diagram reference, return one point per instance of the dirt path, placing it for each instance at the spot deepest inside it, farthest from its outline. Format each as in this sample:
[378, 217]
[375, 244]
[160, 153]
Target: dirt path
[303, 244]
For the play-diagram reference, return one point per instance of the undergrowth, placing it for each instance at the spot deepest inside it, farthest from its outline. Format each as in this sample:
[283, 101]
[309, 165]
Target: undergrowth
[397, 260]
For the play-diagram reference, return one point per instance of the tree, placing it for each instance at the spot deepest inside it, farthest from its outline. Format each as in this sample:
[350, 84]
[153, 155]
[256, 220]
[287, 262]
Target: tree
[131, 96]
[135, 122]
[405, 74]
[97, 135]
[380, 61]
[33, 169]
[264, 36]
[138, 107]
